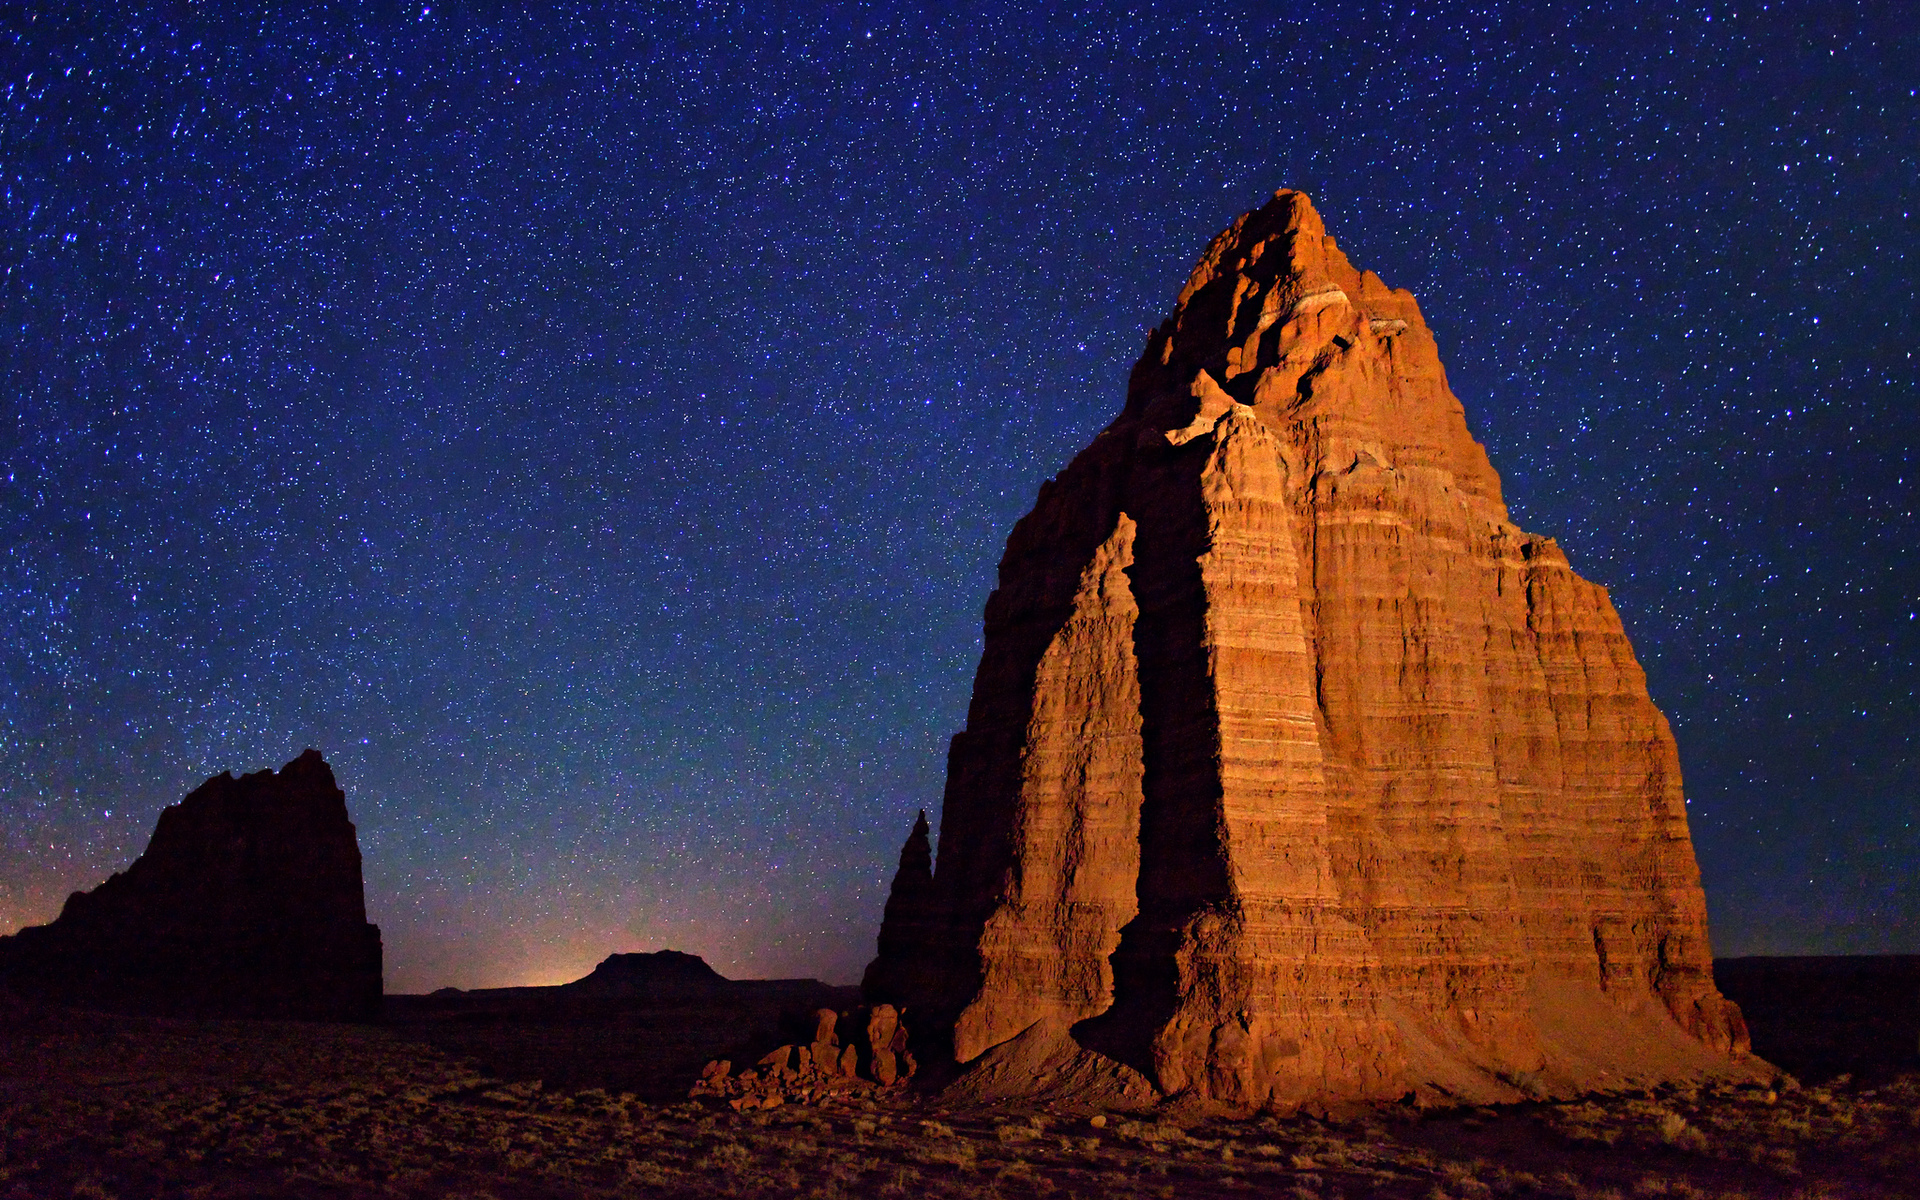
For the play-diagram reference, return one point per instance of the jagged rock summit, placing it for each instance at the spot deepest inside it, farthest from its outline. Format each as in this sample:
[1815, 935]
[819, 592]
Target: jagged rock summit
[1295, 773]
[247, 902]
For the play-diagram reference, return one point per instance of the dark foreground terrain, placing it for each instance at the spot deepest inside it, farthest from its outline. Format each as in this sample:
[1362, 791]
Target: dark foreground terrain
[442, 1102]
[651, 1044]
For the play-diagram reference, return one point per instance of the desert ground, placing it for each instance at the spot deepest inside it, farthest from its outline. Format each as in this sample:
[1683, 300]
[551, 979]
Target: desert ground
[446, 1098]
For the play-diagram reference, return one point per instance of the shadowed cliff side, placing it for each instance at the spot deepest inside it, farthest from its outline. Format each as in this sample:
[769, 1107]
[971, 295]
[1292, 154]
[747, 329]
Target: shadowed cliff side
[247, 902]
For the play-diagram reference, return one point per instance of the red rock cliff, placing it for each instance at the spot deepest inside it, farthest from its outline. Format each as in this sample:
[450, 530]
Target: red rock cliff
[1294, 771]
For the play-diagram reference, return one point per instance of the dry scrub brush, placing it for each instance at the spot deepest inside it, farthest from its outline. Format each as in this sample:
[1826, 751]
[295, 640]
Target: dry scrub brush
[111, 1107]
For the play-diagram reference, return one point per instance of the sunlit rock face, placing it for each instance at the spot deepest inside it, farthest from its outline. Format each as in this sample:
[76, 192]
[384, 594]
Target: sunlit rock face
[247, 902]
[1294, 771]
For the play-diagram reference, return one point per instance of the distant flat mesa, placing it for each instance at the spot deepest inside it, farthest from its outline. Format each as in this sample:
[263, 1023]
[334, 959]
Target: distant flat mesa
[248, 902]
[639, 974]
[1295, 772]
[641, 1023]
[621, 974]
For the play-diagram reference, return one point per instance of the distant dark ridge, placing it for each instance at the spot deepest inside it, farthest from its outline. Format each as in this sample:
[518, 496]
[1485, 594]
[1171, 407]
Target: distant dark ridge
[1821, 1016]
[635, 975]
[641, 1023]
[619, 974]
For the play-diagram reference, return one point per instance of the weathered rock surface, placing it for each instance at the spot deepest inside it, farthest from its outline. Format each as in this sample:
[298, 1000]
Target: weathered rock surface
[247, 902]
[1294, 771]
[821, 1071]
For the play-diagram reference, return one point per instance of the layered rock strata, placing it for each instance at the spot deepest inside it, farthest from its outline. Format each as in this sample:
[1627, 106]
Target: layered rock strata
[247, 902]
[1294, 771]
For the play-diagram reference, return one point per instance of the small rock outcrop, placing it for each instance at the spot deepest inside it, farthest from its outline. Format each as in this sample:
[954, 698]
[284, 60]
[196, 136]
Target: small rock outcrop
[1294, 771]
[247, 902]
[821, 1069]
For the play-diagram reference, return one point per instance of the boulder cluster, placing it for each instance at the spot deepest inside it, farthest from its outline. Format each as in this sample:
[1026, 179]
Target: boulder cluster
[874, 1057]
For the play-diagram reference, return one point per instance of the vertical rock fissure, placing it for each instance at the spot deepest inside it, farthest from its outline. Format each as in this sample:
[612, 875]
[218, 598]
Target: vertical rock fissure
[1180, 870]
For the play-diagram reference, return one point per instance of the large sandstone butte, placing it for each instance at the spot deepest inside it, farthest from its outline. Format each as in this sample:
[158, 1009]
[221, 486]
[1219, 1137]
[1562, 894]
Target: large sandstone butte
[1295, 772]
[247, 902]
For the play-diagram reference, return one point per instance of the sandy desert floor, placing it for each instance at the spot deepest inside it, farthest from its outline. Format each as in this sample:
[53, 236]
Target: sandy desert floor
[93, 1105]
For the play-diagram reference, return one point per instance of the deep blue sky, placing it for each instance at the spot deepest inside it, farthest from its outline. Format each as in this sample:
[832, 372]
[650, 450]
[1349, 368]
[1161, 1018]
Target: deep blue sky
[596, 432]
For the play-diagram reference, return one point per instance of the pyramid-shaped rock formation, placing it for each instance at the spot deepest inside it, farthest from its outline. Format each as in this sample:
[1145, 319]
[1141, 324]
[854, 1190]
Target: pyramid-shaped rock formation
[1294, 771]
[247, 902]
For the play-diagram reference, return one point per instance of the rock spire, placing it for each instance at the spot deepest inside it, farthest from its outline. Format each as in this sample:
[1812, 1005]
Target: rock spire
[1294, 771]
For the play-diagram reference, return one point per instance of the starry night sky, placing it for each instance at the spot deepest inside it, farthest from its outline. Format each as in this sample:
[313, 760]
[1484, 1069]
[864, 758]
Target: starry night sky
[596, 432]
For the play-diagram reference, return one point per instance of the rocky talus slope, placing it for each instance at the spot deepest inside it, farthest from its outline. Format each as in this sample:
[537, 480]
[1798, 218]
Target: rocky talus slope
[247, 902]
[1294, 771]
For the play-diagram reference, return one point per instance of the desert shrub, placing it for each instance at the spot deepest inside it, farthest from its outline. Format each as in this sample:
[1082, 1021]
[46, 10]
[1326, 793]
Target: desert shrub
[514, 1094]
[1508, 1182]
[1015, 1168]
[1676, 1132]
[954, 1153]
[1154, 1134]
[729, 1155]
[1582, 1123]
[1786, 1125]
